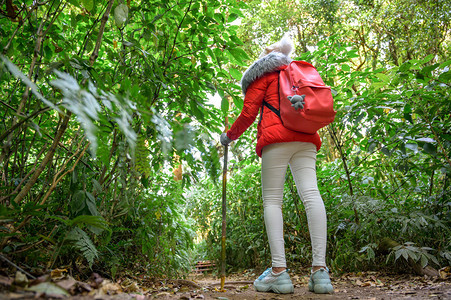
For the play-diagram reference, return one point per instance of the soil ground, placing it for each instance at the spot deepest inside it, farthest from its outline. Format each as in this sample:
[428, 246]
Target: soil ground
[349, 286]
[367, 285]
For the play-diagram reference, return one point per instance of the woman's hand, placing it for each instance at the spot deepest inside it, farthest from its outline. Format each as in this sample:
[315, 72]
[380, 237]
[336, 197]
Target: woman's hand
[225, 139]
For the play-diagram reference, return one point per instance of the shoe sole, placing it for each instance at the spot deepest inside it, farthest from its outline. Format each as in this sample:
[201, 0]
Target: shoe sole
[279, 289]
[321, 288]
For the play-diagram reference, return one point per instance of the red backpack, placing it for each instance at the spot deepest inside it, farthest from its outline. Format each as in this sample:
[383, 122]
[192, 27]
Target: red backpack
[302, 79]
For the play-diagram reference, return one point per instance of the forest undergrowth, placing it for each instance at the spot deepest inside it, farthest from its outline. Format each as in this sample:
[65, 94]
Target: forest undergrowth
[110, 161]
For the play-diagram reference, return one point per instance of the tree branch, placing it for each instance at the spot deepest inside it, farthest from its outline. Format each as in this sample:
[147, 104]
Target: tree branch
[57, 179]
[12, 128]
[345, 166]
[105, 17]
[45, 161]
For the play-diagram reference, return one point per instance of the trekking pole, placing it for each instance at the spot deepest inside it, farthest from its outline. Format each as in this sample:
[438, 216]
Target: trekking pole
[224, 211]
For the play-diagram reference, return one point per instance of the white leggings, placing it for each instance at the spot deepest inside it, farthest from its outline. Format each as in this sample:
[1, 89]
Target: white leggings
[302, 160]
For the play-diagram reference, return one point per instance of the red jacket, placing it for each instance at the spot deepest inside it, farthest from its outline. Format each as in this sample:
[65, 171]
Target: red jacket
[270, 129]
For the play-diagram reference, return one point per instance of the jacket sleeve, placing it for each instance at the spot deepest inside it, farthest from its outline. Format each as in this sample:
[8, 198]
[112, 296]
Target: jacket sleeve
[252, 103]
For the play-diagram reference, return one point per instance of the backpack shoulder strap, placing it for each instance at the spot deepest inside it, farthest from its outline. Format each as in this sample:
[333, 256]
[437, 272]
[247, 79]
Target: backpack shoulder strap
[272, 108]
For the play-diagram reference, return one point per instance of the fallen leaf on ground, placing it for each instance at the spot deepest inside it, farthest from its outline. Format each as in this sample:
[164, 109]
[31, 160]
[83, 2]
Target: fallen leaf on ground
[110, 288]
[84, 286]
[6, 281]
[20, 279]
[58, 273]
[184, 289]
[13, 296]
[96, 280]
[130, 286]
[445, 272]
[49, 289]
[40, 279]
[68, 284]
[163, 294]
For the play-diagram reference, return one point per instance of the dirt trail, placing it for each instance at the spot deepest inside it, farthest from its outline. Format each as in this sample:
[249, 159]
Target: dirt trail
[370, 285]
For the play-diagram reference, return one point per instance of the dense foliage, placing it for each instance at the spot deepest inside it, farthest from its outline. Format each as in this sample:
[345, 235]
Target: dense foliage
[109, 143]
[101, 101]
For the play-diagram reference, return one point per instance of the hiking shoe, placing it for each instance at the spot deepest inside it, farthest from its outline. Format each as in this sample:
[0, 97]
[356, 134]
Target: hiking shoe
[278, 283]
[319, 282]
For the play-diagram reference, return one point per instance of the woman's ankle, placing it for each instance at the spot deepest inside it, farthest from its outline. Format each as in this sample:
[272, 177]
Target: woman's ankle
[316, 268]
[277, 270]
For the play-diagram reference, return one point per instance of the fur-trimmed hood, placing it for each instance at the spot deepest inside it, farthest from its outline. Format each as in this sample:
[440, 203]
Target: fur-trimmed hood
[266, 64]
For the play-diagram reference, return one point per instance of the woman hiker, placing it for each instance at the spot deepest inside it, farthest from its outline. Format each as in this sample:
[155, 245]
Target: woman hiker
[279, 147]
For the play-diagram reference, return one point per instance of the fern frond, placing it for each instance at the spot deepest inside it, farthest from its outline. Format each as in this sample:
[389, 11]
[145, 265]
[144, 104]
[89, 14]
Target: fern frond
[142, 157]
[80, 240]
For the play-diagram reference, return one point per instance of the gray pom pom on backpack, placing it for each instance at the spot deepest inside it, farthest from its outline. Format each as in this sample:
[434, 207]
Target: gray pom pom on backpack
[297, 101]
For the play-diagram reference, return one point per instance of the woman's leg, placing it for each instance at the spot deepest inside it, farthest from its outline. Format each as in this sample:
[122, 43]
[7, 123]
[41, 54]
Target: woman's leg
[274, 166]
[275, 158]
[303, 168]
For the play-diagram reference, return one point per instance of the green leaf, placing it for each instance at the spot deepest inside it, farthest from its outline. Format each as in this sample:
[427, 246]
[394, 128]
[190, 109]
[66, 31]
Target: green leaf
[434, 259]
[405, 254]
[445, 64]
[74, 3]
[389, 256]
[428, 69]
[239, 55]
[398, 254]
[120, 14]
[402, 147]
[377, 85]
[405, 66]
[97, 186]
[372, 146]
[386, 151]
[427, 248]
[428, 58]
[425, 140]
[236, 40]
[412, 255]
[383, 77]
[408, 117]
[95, 221]
[430, 149]
[445, 77]
[194, 109]
[219, 18]
[48, 52]
[412, 146]
[235, 73]
[225, 105]
[88, 4]
[424, 261]
[91, 204]
[239, 102]
[345, 67]
[78, 201]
